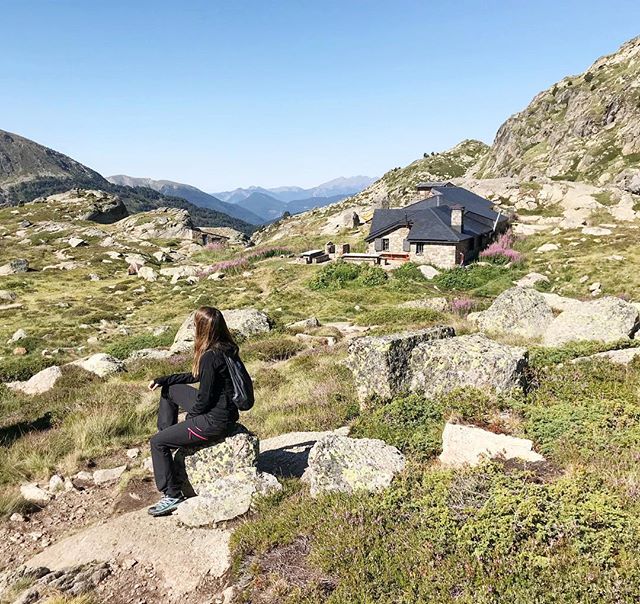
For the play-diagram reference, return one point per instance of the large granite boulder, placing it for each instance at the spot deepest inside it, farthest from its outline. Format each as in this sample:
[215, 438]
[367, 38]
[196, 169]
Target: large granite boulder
[440, 366]
[41, 382]
[519, 311]
[106, 209]
[379, 363]
[340, 463]
[468, 445]
[230, 496]
[606, 320]
[161, 223]
[245, 321]
[225, 479]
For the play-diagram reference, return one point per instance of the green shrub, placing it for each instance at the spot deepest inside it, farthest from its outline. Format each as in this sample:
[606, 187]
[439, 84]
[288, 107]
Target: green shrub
[408, 272]
[272, 349]
[339, 274]
[124, 346]
[22, 368]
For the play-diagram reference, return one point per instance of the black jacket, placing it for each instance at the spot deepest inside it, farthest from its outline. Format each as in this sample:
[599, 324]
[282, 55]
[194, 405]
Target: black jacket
[214, 399]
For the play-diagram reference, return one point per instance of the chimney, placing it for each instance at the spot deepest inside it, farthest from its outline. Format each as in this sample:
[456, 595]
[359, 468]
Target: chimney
[457, 223]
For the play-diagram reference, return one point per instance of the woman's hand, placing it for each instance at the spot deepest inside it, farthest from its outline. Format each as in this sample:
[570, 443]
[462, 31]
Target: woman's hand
[153, 385]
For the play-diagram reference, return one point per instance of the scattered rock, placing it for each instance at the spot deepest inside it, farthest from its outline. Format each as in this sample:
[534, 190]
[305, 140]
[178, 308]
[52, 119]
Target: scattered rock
[19, 351]
[20, 334]
[19, 265]
[606, 320]
[340, 463]
[147, 273]
[596, 231]
[56, 484]
[468, 445]
[76, 242]
[379, 363]
[105, 476]
[150, 353]
[101, 364]
[439, 366]
[7, 295]
[548, 247]
[32, 493]
[41, 382]
[309, 323]
[520, 311]
[133, 453]
[621, 357]
[531, 280]
[16, 517]
[428, 272]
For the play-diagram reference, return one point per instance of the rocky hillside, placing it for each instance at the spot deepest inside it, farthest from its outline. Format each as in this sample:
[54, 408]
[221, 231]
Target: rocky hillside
[27, 169]
[398, 185]
[583, 128]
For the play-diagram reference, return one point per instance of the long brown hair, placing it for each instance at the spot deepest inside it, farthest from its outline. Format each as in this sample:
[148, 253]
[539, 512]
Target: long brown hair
[211, 332]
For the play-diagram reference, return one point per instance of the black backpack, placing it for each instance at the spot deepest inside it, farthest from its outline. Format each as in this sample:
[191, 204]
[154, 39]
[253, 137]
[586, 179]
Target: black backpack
[242, 384]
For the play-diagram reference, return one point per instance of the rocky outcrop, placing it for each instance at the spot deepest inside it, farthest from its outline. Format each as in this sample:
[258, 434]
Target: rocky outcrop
[585, 127]
[246, 321]
[340, 463]
[41, 382]
[474, 361]
[468, 445]
[379, 363]
[163, 223]
[159, 543]
[519, 311]
[606, 320]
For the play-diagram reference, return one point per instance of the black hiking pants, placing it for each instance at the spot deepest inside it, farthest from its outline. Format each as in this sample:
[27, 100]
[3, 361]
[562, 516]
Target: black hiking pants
[195, 432]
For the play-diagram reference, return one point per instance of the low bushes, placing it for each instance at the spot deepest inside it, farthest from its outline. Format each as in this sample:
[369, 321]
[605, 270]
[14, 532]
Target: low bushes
[337, 275]
[124, 346]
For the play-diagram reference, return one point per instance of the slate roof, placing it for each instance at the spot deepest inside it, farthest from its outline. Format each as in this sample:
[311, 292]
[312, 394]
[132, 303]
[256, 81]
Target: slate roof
[430, 219]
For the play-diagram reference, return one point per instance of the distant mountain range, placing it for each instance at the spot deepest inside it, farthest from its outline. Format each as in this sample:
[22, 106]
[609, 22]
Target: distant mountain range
[192, 194]
[338, 186]
[255, 205]
[29, 170]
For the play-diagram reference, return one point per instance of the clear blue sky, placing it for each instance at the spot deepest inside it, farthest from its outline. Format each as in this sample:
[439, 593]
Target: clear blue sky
[231, 93]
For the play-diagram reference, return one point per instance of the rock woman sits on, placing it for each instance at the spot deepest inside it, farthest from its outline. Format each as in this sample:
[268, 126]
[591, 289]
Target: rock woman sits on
[211, 413]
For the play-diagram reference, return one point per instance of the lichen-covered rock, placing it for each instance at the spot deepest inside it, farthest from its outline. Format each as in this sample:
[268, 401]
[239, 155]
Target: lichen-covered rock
[41, 382]
[108, 475]
[340, 463]
[606, 320]
[246, 321]
[233, 454]
[309, 323]
[469, 445]
[532, 279]
[439, 366]
[32, 493]
[229, 496]
[19, 265]
[101, 364]
[147, 273]
[519, 311]
[379, 363]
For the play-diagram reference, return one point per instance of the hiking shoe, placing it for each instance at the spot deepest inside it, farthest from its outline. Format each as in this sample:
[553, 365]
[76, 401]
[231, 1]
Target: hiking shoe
[165, 506]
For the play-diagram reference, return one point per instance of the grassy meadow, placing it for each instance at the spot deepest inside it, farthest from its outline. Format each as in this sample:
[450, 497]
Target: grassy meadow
[498, 533]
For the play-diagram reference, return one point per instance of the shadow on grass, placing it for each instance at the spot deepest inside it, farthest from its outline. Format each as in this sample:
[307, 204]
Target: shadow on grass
[11, 433]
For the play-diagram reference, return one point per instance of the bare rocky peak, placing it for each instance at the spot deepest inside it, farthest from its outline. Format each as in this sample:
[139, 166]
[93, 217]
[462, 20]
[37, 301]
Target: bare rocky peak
[583, 128]
[23, 160]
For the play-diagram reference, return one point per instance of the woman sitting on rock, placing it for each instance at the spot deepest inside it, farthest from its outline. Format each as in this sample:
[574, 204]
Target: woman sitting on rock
[211, 414]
